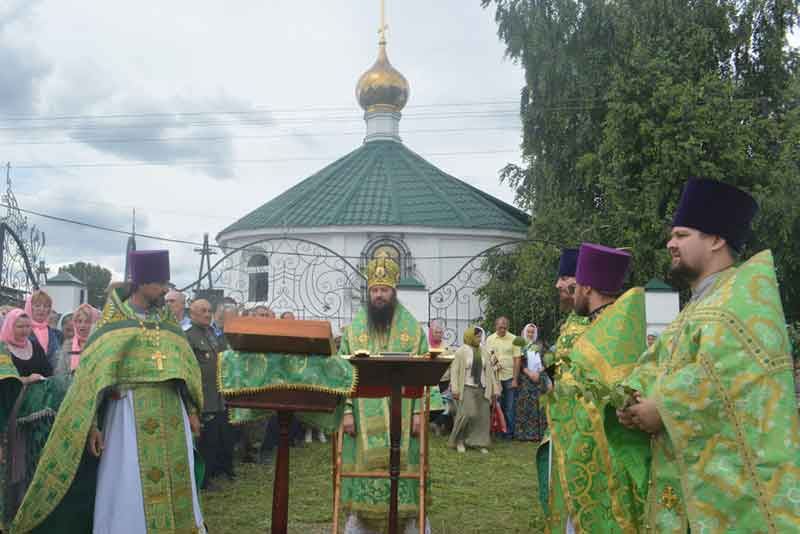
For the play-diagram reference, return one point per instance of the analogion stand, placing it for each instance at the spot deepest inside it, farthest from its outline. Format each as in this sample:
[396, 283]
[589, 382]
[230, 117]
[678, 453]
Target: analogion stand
[284, 402]
[301, 339]
[394, 376]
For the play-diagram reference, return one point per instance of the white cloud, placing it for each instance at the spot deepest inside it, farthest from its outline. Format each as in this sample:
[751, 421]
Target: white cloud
[294, 65]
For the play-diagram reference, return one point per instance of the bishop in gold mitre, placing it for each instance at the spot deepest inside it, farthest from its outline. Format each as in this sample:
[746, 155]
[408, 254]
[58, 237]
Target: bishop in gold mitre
[384, 325]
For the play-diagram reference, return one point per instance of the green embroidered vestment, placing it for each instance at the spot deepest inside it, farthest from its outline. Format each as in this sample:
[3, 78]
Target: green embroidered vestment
[600, 487]
[369, 449]
[10, 386]
[721, 376]
[153, 358]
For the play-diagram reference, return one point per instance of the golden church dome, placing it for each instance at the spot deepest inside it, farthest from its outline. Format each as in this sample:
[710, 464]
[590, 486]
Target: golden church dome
[382, 87]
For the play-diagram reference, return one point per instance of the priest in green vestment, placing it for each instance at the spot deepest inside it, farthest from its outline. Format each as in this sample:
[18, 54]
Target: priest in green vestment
[597, 488]
[384, 326]
[715, 391]
[550, 494]
[133, 403]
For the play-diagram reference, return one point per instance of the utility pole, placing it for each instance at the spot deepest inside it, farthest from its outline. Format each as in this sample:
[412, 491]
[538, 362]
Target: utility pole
[131, 246]
[205, 262]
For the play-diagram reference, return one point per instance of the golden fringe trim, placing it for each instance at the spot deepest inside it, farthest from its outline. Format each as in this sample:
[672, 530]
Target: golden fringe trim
[238, 392]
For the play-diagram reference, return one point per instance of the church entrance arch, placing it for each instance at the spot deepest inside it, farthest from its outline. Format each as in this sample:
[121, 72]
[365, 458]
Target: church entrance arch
[290, 274]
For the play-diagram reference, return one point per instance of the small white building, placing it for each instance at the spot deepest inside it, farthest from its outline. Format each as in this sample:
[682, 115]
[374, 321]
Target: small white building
[67, 292]
[303, 250]
[662, 304]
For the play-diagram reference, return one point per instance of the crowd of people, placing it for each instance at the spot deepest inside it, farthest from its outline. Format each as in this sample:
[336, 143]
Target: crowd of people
[491, 375]
[695, 429]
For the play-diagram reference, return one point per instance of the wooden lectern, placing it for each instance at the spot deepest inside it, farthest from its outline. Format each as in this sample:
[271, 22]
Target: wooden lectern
[301, 338]
[394, 376]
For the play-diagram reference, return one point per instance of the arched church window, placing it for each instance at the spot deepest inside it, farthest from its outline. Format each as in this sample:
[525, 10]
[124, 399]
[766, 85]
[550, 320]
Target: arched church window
[258, 275]
[393, 247]
[387, 251]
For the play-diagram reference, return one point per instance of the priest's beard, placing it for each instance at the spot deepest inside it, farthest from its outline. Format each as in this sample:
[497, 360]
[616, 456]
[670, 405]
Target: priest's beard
[684, 275]
[380, 314]
[156, 302]
[581, 305]
[565, 302]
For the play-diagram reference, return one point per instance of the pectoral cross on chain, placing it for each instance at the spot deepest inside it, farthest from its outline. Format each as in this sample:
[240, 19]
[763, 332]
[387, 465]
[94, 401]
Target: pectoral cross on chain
[159, 359]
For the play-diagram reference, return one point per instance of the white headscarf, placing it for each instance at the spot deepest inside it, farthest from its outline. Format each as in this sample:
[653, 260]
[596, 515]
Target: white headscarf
[535, 332]
[483, 335]
[533, 361]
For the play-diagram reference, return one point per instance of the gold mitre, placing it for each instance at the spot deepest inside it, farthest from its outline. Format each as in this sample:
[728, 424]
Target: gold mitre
[383, 271]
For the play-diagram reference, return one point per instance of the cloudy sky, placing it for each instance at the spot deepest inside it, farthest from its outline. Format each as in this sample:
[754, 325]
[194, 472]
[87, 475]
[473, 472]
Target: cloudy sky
[196, 112]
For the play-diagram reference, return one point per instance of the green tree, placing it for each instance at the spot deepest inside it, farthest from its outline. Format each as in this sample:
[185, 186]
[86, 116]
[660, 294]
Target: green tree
[95, 277]
[624, 101]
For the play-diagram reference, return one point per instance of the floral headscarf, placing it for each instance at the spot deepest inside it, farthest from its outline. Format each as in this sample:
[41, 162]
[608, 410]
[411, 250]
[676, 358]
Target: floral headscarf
[40, 330]
[7, 332]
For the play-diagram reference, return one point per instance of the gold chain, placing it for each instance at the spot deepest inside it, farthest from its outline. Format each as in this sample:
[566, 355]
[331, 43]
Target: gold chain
[155, 337]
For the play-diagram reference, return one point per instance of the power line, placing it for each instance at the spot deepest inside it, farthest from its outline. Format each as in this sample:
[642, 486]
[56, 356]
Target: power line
[243, 112]
[196, 243]
[212, 163]
[228, 218]
[226, 137]
[260, 123]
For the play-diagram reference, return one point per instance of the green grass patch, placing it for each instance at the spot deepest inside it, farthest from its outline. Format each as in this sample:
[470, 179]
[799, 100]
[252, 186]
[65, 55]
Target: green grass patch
[472, 493]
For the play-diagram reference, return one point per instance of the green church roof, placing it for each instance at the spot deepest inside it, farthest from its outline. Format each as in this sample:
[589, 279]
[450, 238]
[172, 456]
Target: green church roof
[383, 183]
[658, 286]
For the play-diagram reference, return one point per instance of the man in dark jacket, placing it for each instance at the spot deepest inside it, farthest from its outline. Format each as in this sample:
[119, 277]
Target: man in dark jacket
[216, 438]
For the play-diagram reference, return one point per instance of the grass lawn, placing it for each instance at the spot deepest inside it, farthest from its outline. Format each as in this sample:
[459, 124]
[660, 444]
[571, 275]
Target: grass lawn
[472, 493]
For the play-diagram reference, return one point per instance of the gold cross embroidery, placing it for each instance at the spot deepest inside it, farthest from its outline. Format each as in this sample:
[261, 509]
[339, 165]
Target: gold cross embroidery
[404, 338]
[159, 359]
[669, 498]
[363, 338]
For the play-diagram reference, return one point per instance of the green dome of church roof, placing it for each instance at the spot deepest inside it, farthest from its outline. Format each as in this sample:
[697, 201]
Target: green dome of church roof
[383, 183]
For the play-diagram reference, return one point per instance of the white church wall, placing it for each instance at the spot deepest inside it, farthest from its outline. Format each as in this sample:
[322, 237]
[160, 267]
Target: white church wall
[662, 308]
[437, 254]
[66, 298]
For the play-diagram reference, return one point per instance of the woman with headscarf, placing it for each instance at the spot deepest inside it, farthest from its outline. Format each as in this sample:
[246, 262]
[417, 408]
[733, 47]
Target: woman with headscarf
[29, 358]
[474, 386]
[31, 416]
[83, 320]
[67, 328]
[531, 420]
[38, 307]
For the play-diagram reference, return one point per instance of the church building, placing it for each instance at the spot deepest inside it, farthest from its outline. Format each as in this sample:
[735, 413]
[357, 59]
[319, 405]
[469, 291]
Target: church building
[301, 251]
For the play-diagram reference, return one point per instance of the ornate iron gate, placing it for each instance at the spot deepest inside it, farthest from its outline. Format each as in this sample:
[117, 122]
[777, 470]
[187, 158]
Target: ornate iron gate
[455, 303]
[20, 247]
[290, 274]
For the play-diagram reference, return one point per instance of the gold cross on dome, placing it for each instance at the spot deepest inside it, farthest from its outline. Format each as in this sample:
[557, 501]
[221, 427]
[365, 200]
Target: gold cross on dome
[159, 359]
[383, 27]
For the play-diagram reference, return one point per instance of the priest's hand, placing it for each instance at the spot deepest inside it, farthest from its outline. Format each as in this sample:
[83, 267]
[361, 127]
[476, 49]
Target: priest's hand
[95, 444]
[416, 421]
[349, 424]
[194, 424]
[456, 396]
[645, 415]
[625, 417]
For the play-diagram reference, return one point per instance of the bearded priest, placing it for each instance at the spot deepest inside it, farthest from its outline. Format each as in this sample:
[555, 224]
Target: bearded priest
[384, 326]
[715, 391]
[598, 488]
[134, 404]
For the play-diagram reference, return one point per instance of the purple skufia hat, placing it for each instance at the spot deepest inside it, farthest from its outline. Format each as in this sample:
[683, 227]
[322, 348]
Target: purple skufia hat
[602, 268]
[568, 262]
[149, 266]
[716, 208]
